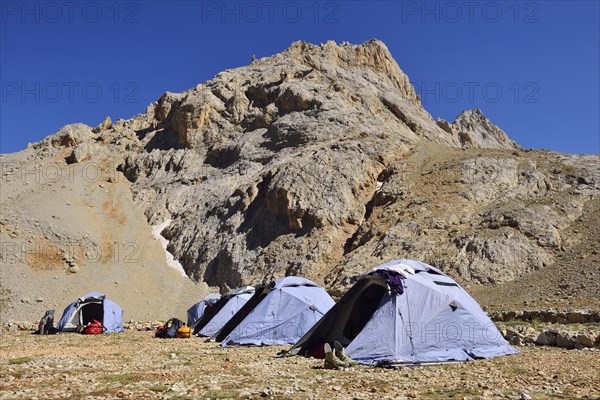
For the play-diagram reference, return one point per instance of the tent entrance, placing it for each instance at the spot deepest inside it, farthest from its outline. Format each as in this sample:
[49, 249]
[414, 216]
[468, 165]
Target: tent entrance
[361, 312]
[90, 312]
[85, 312]
[346, 319]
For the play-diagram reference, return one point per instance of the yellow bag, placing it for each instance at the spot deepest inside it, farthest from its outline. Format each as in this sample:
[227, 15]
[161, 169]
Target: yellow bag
[184, 332]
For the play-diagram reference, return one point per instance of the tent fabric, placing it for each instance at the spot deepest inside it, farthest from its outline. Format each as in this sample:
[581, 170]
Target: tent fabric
[405, 267]
[282, 315]
[260, 293]
[434, 320]
[194, 313]
[291, 281]
[213, 309]
[232, 306]
[93, 305]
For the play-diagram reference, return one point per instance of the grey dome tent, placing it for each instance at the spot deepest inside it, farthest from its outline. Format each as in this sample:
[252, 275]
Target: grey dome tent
[279, 313]
[90, 307]
[218, 313]
[404, 312]
[195, 312]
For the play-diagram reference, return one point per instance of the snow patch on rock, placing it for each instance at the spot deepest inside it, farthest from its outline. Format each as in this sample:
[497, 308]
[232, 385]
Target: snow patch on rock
[171, 261]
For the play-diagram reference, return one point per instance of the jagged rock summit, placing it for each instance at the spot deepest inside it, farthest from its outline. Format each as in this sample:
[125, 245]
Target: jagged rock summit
[473, 129]
[321, 161]
[314, 81]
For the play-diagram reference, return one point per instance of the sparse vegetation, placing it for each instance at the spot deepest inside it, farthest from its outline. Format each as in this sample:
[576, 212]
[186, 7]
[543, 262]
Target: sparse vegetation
[539, 201]
[566, 167]
[20, 360]
[534, 323]
[159, 388]
[5, 295]
[118, 378]
[221, 394]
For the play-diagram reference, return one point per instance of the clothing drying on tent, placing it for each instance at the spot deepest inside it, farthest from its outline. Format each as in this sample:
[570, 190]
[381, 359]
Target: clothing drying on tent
[86, 309]
[196, 311]
[406, 311]
[217, 314]
[279, 313]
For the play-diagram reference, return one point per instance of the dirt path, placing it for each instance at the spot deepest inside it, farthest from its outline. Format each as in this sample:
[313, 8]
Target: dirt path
[133, 365]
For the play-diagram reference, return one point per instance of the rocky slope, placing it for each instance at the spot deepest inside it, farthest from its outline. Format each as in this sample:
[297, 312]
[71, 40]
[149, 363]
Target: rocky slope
[66, 230]
[321, 161]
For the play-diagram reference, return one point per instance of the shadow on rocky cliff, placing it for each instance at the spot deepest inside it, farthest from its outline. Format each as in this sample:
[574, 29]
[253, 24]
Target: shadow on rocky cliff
[261, 226]
[161, 140]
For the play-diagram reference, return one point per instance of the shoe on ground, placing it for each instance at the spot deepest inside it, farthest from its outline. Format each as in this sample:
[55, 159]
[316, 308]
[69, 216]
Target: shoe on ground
[331, 361]
[341, 354]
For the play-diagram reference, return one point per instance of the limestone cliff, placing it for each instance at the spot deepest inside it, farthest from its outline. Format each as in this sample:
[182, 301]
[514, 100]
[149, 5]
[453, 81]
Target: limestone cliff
[321, 161]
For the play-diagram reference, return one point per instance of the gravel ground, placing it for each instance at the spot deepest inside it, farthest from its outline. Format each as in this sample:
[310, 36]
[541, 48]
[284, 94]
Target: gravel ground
[134, 365]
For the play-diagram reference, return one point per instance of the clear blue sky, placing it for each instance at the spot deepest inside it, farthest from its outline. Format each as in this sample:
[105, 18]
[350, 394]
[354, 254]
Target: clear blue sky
[531, 66]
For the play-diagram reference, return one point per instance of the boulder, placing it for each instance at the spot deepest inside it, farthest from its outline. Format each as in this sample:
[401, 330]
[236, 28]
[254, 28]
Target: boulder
[82, 152]
[543, 339]
[565, 340]
[585, 339]
[576, 318]
[68, 136]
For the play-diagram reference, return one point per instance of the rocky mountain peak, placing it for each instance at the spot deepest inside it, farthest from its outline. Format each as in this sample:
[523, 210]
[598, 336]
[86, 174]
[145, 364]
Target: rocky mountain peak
[342, 87]
[372, 54]
[317, 161]
[474, 129]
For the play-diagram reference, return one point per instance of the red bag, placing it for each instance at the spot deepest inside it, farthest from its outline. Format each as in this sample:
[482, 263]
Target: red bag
[94, 328]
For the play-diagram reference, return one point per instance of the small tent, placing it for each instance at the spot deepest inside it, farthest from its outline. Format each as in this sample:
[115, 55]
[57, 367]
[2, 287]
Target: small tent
[404, 312]
[279, 313]
[196, 311]
[220, 312]
[86, 309]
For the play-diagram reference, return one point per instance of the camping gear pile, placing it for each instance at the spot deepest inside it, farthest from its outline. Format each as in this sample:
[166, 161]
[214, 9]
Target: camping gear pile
[173, 328]
[400, 313]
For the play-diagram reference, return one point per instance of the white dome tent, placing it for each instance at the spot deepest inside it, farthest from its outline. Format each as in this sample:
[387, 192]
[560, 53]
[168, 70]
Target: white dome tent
[406, 311]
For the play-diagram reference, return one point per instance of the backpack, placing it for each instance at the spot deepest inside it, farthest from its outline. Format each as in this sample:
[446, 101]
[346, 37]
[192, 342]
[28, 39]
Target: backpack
[169, 329]
[46, 324]
[184, 332]
[94, 328]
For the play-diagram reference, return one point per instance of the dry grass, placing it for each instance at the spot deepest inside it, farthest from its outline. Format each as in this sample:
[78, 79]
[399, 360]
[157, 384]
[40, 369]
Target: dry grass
[19, 360]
